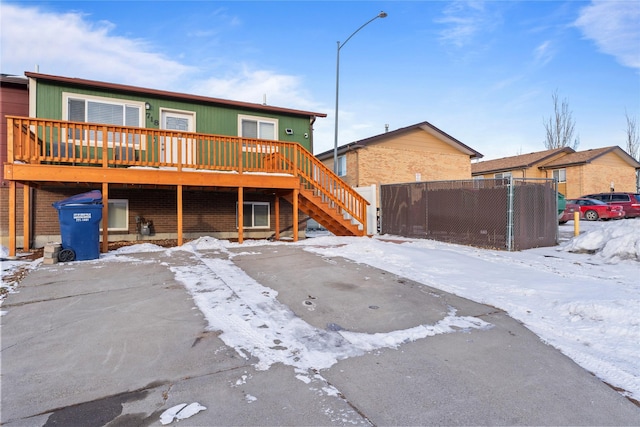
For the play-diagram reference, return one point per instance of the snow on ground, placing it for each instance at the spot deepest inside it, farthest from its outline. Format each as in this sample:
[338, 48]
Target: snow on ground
[582, 297]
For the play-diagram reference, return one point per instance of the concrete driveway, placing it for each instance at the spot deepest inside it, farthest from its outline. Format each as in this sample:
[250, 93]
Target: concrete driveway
[98, 343]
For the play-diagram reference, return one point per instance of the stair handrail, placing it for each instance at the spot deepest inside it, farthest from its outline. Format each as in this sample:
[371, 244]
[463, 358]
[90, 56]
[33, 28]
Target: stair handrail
[328, 185]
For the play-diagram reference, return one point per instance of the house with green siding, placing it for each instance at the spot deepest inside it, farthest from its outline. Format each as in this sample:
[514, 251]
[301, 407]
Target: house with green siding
[170, 165]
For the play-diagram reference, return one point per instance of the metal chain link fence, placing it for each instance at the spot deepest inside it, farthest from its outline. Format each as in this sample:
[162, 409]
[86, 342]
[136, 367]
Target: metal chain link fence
[506, 214]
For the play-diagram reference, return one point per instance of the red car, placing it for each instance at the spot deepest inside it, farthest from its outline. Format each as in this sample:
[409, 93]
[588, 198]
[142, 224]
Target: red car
[567, 214]
[630, 202]
[593, 210]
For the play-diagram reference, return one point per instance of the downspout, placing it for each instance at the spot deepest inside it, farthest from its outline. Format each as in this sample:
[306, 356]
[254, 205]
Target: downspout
[313, 120]
[357, 168]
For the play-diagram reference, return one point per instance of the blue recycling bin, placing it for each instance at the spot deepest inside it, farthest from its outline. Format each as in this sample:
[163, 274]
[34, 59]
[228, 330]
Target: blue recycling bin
[80, 217]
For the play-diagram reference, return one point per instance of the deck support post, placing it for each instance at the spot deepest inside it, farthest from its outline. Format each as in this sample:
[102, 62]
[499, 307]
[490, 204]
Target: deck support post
[295, 214]
[276, 207]
[240, 214]
[26, 217]
[179, 202]
[12, 218]
[105, 218]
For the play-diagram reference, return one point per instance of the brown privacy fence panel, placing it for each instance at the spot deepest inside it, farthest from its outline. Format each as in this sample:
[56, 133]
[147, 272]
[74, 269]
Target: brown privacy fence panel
[510, 214]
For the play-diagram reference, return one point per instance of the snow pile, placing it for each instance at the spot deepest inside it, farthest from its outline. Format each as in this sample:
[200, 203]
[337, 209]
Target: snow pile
[616, 241]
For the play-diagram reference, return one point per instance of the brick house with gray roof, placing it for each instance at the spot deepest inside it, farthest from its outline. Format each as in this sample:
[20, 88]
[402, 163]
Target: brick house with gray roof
[577, 172]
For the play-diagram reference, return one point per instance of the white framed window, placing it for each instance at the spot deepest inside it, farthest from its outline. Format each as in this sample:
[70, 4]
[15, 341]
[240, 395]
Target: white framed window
[118, 215]
[342, 165]
[503, 175]
[109, 111]
[257, 127]
[478, 182]
[255, 215]
[560, 175]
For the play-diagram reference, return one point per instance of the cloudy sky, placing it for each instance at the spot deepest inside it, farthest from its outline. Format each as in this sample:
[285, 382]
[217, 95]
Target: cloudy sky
[483, 72]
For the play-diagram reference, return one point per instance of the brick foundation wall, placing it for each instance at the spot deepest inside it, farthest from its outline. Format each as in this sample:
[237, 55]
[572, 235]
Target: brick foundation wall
[204, 213]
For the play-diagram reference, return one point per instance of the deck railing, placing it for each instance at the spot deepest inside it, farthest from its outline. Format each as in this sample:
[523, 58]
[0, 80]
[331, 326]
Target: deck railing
[44, 141]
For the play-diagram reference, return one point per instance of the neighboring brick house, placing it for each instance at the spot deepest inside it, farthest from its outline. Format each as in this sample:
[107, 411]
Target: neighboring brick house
[420, 152]
[14, 101]
[577, 172]
[185, 162]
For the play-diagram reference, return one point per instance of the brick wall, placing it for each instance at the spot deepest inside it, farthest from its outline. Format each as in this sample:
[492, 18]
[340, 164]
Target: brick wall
[387, 165]
[204, 213]
[597, 176]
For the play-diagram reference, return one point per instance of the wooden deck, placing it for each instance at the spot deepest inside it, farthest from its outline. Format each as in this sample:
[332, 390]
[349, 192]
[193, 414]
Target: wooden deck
[53, 151]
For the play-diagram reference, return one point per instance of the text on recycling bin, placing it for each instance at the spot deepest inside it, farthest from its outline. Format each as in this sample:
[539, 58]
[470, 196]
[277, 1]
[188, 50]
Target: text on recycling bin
[81, 217]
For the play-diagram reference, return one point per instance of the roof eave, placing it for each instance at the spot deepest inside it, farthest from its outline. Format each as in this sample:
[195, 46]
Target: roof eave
[426, 126]
[168, 94]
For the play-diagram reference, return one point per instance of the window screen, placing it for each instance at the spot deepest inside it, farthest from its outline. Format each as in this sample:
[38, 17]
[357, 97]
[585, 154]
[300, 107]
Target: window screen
[249, 129]
[267, 131]
[260, 215]
[76, 110]
[119, 114]
[118, 214]
[260, 129]
[98, 112]
[560, 175]
[255, 215]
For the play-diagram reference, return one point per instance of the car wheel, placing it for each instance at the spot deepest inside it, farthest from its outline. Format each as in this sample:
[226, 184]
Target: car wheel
[591, 215]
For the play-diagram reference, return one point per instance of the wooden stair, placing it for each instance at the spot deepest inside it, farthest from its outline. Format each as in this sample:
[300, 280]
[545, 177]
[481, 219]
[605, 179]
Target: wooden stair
[326, 214]
[323, 196]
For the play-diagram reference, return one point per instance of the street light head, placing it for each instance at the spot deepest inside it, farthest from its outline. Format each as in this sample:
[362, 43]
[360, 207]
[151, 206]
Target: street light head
[382, 14]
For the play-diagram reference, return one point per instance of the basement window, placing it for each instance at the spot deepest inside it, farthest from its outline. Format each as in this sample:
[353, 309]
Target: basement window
[255, 215]
[118, 215]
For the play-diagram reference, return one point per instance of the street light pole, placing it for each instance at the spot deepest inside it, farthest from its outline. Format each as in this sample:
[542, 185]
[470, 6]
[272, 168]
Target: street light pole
[340, 46]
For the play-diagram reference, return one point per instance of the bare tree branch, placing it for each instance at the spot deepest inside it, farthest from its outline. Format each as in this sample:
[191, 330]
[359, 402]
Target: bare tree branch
[633, 139]
[561, 126]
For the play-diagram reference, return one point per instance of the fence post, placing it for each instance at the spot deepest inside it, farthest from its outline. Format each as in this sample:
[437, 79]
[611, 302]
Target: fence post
[555, 185]
[510, 214]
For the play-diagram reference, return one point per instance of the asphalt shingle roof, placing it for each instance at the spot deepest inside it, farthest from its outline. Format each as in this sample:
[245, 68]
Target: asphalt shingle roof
[522, 161]
[586, 156]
